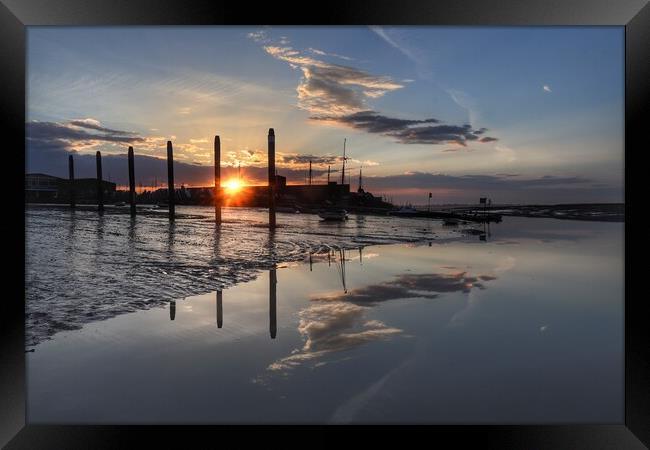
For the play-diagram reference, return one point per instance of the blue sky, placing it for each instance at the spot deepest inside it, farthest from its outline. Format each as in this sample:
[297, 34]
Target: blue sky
[516, 114]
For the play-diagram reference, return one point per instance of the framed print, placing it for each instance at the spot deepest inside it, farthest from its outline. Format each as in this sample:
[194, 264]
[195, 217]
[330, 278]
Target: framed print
[388, 214]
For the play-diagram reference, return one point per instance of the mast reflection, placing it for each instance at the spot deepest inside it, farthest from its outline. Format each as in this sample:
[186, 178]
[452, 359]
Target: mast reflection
[273, 281]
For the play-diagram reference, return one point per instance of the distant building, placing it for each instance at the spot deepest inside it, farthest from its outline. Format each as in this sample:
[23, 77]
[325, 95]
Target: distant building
[42, 188]
[308, 196]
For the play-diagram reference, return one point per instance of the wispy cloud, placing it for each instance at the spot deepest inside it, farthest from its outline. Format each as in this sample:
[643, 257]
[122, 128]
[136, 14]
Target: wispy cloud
[324, 53]
[332, 89]
[339, 94]
[395, 39]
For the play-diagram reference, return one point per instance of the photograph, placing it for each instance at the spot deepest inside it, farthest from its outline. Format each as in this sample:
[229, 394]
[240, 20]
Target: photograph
[341, 224]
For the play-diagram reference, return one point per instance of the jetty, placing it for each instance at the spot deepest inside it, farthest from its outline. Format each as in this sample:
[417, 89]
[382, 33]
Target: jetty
[475, 216]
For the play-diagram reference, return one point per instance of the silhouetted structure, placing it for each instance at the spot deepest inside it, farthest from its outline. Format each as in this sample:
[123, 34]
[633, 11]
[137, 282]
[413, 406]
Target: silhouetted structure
[172, 310]
[272, 178]
[71, 178]
[170, 180]
[273, 281]
[40, 187]
[217, 179]
[131, 181]
[343, 169]
[219, 309]
[100, 188]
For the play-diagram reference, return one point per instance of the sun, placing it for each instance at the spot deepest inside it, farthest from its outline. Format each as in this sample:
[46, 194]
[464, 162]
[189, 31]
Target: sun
[233, 185]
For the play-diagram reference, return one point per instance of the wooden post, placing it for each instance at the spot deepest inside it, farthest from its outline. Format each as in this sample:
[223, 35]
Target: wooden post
[273, 325]
[71, 181]
[172, 310]
[100, 188]
[328, 174]
[271, 146]
[219, 309]
[310, 172]
[170, 180]
[131, 181]
[217, 180]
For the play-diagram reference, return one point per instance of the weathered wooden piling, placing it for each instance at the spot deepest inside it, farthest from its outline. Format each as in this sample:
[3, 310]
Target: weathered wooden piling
[217, 180]
[310, 172]
[71, 181]
[271, 144]
[100, 187]
[273, 281]
[131, 181]
[328, 174]
[170, 181]
[172, 310]
[219, 309]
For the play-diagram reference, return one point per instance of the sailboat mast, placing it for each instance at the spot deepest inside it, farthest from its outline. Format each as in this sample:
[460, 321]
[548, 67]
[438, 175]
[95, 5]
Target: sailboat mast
[343, 171]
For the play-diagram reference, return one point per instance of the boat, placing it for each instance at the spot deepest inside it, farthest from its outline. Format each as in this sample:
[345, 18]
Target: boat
[450, 221]
[406, 211]
[333, 214]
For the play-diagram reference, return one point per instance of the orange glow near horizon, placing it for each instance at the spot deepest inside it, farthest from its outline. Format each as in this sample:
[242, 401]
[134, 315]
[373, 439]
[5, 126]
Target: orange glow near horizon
[233, 185]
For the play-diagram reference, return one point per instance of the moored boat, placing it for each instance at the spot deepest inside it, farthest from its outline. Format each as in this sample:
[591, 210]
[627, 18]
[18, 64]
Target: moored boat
[404, 211]
[333, 214]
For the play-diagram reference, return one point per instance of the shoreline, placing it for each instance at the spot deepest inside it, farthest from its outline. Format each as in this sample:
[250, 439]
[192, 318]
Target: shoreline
[592, 212]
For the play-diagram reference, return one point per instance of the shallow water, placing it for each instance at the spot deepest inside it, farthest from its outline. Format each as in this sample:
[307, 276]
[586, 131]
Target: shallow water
[83, 267]
[525, 326]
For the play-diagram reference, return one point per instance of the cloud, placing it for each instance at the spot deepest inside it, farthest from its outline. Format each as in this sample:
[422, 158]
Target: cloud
[331, 89]
[296, 159]
[49, 144]
[93, 124]
[339, 94]
[502, 188]
[76, 131]
[411, 131]
[260, 36]
[335, 55]
[547, 88]
[392, 38]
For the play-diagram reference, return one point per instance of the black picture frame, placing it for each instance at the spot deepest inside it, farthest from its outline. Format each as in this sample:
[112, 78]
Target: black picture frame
[15, 15]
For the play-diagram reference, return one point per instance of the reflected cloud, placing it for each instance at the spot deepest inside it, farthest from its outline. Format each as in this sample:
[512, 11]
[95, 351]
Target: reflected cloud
[333, 327]
[411, 286]
[338, 322]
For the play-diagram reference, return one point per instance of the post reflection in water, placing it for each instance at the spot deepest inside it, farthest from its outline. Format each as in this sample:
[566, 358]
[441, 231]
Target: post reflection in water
[172, 310]
[273, 281]
[219, 309]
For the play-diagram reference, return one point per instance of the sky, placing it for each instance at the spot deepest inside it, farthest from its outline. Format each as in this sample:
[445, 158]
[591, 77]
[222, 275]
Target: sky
[516, 114]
